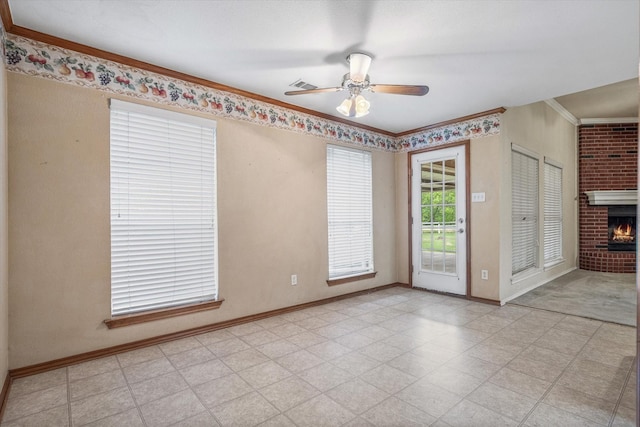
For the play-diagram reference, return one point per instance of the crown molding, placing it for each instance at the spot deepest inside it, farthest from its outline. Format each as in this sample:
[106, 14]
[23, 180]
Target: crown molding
[562, 111]
[5, 15]
[611, 120]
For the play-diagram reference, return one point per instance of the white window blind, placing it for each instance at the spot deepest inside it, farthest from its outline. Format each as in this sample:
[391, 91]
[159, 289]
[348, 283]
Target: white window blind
[349, 212]
[552, 239]
[163, 209]
[524, 210]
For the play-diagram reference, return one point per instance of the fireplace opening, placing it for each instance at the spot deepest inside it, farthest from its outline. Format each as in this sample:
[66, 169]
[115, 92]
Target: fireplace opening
[622, 228]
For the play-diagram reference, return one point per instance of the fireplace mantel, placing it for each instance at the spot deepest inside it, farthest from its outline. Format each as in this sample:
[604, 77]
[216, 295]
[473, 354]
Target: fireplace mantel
[612, 197]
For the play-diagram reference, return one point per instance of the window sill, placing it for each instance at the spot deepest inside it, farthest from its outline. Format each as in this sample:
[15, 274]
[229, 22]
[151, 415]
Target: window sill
[149, 316]
[347, 279]
[553, 263]
[524, 275]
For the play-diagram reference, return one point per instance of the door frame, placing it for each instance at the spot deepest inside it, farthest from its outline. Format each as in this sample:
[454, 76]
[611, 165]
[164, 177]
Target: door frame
[467, 172]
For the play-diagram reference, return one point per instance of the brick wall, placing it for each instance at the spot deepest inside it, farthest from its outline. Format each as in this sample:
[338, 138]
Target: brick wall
[608, 160]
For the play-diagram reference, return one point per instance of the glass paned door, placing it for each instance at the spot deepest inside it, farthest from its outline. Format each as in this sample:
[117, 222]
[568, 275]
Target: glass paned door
[439, 220]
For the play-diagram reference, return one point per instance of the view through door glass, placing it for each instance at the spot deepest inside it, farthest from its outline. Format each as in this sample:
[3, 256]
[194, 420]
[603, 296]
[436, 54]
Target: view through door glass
[438, 200]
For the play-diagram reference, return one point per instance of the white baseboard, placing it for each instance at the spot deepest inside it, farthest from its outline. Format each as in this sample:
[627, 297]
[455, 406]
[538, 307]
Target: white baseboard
[537, 285]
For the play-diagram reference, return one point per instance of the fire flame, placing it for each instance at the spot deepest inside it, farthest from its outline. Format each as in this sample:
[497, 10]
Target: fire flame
[623, 233]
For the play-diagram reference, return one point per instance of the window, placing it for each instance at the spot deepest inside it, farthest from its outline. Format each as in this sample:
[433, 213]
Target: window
[349, 212]
[163, 209]
[524, 210]
[552, 238]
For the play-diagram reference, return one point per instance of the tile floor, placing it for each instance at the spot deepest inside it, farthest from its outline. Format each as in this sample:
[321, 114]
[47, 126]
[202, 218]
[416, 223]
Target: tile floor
[397, 357]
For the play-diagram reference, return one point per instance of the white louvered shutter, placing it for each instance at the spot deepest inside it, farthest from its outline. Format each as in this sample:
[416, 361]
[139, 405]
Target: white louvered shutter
[524, 209]
[552, 239]
[163, 209]
[349, 212]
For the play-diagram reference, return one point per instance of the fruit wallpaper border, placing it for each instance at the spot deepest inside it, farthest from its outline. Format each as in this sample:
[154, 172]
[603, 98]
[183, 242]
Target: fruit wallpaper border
[34, 58]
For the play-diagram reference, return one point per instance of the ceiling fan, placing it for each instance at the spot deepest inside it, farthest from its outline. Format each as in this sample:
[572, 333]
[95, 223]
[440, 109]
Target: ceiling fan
[356, 81]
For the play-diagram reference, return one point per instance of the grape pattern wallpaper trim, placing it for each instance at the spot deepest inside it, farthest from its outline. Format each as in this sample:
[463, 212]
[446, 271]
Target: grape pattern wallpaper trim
[38, 59]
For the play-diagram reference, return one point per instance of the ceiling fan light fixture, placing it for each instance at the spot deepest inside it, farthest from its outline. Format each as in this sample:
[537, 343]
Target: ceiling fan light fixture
[347, 107]
[362, 106]
[354, 106]
[359, 66]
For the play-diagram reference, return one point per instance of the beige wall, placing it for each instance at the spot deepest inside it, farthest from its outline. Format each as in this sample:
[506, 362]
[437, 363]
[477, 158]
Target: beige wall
[4, 240]
[483, 217]
[541, 130]
[272, 223]
[402, 217]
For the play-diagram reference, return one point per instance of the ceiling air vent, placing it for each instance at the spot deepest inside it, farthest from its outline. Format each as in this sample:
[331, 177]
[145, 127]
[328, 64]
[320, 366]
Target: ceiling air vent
[303, 85]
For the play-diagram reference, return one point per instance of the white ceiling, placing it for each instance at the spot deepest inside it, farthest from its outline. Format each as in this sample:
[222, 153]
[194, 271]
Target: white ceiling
[474, 55]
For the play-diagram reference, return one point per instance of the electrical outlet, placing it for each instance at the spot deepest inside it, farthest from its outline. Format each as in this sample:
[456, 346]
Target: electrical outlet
[294, 279]
[484, 274]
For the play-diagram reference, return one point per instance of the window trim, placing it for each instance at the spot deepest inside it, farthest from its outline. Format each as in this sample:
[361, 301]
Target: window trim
[349, 279]
[163, 313]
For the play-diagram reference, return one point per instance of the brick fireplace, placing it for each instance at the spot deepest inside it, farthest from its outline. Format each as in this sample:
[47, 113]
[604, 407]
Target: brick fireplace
[608, 163]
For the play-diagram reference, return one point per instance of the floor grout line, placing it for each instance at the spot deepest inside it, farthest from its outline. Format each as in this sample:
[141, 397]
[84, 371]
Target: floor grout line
[135, 401]
[546, 393]
[524, 347]
[624, 387]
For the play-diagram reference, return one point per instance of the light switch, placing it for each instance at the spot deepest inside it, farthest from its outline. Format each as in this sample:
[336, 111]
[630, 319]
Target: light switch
[477, 197]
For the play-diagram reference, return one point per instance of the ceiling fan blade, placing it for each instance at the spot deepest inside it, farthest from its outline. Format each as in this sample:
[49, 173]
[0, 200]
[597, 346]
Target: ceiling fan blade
[416, 90]
[319, 90]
